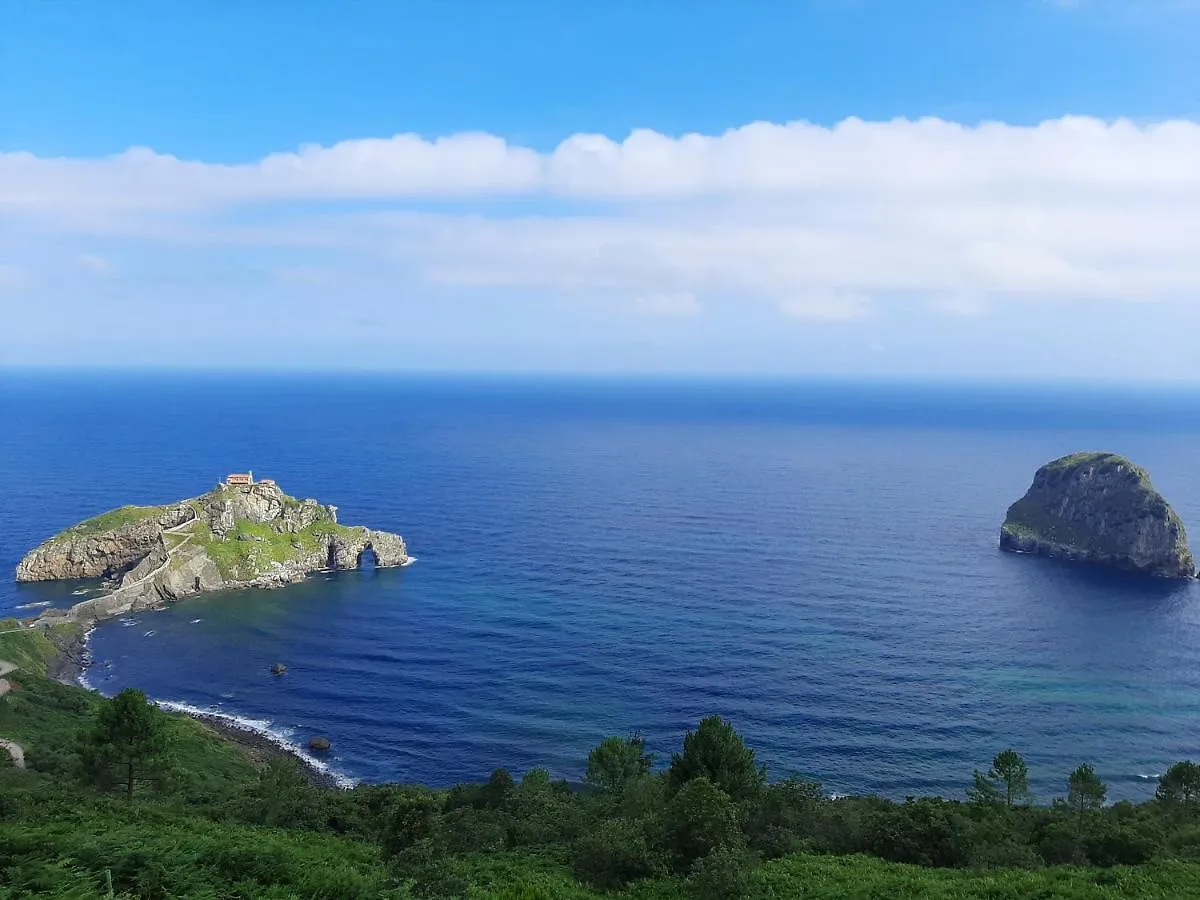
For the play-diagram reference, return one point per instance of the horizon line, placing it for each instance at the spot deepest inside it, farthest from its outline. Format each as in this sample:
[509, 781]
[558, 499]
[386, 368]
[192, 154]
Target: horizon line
[567, 375]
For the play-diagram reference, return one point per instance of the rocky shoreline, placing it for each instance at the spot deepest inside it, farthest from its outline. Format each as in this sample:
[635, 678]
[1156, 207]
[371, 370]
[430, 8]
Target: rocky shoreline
[70, 666]
[261, 749]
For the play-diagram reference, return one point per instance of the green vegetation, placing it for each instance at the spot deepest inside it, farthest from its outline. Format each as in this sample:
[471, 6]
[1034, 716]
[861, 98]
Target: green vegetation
[203, 821]
[252, 549]
[27, 648]
[1084, 458]
[126, 745]
[111, 521]
[1007, 781]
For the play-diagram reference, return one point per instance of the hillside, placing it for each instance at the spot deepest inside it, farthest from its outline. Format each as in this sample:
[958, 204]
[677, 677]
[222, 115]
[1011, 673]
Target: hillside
[207, 821]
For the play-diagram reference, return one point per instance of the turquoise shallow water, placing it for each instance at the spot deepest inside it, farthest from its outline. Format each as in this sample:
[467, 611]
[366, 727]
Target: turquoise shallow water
[817, 563]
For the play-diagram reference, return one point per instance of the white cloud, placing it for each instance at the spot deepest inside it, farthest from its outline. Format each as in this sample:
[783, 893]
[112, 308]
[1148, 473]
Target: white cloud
[95, 263]
[818, 222]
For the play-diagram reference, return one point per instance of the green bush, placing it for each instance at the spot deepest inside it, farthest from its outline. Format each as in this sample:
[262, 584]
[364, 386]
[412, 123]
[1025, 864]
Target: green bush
[615, 853]
[723, 875]
[698, 820]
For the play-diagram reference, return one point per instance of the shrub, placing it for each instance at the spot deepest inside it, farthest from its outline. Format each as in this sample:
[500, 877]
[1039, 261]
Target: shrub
[698, 820]
[615, 853]
[723, 875]
[924, 832]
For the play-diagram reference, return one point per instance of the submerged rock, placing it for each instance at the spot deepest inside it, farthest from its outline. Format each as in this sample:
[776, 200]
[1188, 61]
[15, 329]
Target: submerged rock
[278, 669]
[319, 743]
[1099, 508]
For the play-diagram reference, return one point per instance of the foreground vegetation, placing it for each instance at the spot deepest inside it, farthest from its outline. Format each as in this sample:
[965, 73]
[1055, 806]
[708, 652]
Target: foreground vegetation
[123, 800]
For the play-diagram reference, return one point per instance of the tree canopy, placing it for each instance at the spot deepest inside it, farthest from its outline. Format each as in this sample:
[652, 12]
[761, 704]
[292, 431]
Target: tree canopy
[716, 751]
[127, 743]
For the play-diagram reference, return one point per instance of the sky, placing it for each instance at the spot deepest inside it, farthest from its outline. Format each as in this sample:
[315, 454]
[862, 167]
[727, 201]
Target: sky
[1001, 189]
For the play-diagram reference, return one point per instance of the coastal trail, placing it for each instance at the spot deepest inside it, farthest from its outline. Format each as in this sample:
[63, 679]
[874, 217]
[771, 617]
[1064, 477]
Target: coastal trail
[15, 750]
[173, 530]
[170, 547]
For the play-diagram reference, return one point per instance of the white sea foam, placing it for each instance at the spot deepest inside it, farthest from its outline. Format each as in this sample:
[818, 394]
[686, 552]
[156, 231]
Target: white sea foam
[280, 737]
[35, 604]
[82, 678]
[194, 621]
[148, 634]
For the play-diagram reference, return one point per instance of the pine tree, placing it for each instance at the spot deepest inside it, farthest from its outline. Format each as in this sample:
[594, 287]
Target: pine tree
[126, 744]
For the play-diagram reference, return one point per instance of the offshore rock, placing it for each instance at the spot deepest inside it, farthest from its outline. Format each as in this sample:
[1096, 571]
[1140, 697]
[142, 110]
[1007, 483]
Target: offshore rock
[243, 535]
[1099, 508]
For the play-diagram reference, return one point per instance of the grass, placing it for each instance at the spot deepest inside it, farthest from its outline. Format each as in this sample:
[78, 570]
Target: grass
[1090, 457]
[158, 853]
[111, 521]
[28, 648]
[253, 549]
[865, 878]
[808, 877]
[44, 716]
[58, 839]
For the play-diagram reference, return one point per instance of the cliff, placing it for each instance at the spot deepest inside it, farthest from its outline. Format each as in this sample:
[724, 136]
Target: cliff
[1099, 508]
[234, 536]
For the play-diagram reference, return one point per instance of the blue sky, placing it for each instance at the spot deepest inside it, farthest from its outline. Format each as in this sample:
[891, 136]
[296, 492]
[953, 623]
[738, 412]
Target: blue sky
[1002, 188]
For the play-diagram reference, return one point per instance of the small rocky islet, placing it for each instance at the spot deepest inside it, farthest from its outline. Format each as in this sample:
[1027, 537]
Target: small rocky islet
[241, 534]
[1099, 508]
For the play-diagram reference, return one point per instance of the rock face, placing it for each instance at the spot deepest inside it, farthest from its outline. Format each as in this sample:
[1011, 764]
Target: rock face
[101, 546]
[234, 536]
[1099, 508]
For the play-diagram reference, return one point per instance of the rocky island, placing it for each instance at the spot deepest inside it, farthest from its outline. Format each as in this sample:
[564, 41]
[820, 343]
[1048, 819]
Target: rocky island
[1099, 508]
[241, 534]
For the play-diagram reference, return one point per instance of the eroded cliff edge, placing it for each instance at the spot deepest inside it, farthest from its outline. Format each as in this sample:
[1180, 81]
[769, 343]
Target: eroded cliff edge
[1099, 508]
[251, 535]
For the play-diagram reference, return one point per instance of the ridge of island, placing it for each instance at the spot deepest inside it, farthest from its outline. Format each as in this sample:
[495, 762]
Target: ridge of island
[241, 534]
[1099, 508]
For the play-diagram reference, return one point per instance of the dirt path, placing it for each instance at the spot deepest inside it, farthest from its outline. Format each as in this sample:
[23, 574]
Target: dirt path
[15, 750]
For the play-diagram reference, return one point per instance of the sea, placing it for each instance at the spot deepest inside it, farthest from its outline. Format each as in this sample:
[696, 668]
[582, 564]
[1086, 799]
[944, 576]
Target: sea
[815, 561]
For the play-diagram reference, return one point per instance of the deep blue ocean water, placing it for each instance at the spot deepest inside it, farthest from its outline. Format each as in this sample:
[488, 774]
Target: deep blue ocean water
[815, 562]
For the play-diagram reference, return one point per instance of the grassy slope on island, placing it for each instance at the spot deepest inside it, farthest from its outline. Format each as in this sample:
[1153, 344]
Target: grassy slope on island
[253, 549]
[110, 521]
